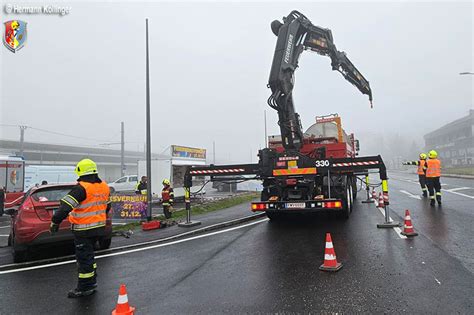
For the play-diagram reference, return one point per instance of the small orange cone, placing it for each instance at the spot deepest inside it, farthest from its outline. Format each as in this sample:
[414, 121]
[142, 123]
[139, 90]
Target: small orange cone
[408, 228]
[374, 194]
[122, 307]
[381, 203]
[330, 260]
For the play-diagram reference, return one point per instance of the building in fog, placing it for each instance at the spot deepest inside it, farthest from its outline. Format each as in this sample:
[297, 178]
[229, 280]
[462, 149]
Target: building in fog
[454, 142]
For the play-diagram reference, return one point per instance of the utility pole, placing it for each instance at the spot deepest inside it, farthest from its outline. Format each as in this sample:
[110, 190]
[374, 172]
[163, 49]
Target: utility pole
[213, 152]
[122, 150]
[265, 123]
[149, 195]
[22, 138]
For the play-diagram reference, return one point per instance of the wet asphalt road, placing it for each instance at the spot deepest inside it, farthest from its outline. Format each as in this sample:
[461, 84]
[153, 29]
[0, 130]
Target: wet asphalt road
[269, 268]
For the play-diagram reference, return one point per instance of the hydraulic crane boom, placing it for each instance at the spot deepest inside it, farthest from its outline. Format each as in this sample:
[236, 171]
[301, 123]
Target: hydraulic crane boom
[296, 34]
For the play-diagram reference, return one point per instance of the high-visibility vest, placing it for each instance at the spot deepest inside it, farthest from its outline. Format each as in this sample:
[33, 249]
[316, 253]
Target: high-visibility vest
[91, 213]
[433, 168]
[421, 166]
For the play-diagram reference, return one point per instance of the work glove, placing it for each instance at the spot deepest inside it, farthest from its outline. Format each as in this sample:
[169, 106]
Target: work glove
[53, 228]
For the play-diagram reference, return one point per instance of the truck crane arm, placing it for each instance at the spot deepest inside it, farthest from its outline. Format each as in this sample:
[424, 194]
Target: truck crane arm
[295, 35]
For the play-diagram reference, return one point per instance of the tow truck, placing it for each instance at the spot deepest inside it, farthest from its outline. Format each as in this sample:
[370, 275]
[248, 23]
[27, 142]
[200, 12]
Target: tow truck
[302, 173]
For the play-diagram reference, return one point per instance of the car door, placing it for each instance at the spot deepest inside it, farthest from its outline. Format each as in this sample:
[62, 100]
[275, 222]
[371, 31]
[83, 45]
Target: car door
[121, 184]
[132, 182]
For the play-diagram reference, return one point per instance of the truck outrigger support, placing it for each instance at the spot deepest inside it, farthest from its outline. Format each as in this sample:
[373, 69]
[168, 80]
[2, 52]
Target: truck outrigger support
[267, 170]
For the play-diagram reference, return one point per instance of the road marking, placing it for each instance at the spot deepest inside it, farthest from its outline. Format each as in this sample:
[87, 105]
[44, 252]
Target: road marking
[396, 229]
[459, 188]
[4, 227]
[438, 281]
[4, 235]
[137, 249]
[410, 195]
[457, 193]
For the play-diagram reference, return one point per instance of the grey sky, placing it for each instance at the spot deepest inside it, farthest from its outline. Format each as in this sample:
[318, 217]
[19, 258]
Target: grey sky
[83, 73]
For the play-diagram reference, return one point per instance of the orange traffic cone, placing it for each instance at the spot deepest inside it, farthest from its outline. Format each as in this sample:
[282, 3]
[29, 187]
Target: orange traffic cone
[381, 203]
[408, 228]
[122, 307]
[330, 260]
[374, 194]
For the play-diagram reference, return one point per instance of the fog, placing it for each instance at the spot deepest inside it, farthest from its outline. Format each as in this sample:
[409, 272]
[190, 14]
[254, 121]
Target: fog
[83, 73]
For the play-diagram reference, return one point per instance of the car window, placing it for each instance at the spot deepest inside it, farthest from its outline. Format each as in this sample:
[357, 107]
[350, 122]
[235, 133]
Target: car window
[133, 179]
[50, 194]
[121, 180]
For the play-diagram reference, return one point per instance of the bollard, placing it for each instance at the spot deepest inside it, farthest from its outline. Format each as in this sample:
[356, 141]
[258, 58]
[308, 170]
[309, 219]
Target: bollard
[388, 222]
[187, 201]
[367, 188]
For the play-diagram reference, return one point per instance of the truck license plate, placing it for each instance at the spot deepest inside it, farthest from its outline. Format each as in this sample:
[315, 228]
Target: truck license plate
[293, 205]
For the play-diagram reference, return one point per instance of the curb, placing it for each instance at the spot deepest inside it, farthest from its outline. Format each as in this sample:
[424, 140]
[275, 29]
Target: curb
[121, 248]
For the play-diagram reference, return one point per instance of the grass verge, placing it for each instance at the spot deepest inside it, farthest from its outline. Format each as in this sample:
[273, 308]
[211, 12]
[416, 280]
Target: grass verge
[198, 209]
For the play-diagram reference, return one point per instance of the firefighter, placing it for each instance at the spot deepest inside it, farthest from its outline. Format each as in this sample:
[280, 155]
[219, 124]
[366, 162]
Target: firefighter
[433, 173]
[141, 187]
[167, 196]
[421, 172]
[86, 207]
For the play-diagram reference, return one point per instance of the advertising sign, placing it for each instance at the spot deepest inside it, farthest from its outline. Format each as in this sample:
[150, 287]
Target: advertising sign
[128, 207]
[187, 152]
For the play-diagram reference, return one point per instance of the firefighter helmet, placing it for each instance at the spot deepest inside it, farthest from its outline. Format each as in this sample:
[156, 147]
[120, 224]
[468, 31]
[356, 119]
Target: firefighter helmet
[423, 156]
[166, 182]
[433, 154]
[86, 167]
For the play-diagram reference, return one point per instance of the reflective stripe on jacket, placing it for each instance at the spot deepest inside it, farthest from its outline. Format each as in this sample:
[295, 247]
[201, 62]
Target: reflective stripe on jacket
[421, 167]
[90, 213]
[433, 168]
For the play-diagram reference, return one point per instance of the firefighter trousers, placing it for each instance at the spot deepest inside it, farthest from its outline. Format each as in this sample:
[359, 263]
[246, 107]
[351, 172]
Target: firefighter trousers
[434, 184]
[422, 180]
[86, 266]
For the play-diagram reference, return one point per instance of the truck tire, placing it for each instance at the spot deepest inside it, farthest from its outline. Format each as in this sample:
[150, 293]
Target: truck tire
[346, 201]
[273, 217]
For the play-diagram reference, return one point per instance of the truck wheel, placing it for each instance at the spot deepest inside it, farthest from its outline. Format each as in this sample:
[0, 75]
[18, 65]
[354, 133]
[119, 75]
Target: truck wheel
[346, 202]
[354, 188]
[273, 217]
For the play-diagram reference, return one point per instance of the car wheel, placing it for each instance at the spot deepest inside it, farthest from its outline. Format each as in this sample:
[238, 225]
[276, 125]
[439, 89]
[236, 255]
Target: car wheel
[104, 243]
[19, 255]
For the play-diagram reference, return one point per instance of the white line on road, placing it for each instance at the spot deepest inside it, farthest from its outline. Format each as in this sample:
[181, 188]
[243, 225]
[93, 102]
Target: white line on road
[410, 195]
[437, 281]
[457, 193]
[4, 235]
[135, 250]
[4, 227]
[459, 188]
[397, 229]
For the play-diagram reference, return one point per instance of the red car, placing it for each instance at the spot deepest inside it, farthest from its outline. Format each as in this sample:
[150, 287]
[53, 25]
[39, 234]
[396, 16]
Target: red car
[31, 219]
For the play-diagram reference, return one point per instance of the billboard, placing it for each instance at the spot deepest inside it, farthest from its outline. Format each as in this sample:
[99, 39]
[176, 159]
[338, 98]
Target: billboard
[187, 152]
[131, 207]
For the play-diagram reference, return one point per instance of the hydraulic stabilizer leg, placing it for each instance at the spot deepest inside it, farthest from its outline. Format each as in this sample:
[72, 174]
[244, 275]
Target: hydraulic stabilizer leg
[367, 188]
[389, 223]
[187, 201]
